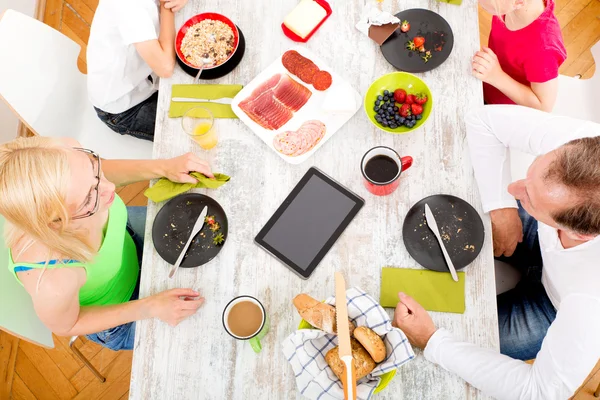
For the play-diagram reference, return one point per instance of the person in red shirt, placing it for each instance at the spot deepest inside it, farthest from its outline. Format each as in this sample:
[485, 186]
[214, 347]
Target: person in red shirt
[525, 51]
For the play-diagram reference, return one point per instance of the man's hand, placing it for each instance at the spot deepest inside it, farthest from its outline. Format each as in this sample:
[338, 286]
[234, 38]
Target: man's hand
[414, 321]
[507, 231]
[486, 67]
[178, 169]
[174, 5]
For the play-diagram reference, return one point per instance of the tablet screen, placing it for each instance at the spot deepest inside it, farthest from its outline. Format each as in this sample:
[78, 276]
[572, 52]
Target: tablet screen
[309, 221]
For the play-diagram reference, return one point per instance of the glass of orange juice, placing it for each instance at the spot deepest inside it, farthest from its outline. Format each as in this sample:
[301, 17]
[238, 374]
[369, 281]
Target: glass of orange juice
[198, 123]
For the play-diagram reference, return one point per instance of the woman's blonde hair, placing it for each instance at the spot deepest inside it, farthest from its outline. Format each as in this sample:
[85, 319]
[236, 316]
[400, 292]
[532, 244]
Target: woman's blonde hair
[34, 181]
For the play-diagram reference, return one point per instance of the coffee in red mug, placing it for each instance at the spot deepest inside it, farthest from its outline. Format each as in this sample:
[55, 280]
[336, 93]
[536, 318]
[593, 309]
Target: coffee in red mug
[381, 168]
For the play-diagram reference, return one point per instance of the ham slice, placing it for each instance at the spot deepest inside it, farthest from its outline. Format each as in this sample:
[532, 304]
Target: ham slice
[273, 103]
[296, 143]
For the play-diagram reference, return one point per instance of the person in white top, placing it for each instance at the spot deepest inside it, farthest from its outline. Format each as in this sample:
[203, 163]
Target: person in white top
[554, 315]
[130, 47]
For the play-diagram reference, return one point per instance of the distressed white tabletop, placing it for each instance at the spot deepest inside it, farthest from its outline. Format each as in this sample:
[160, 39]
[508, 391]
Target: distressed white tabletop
[197, 359]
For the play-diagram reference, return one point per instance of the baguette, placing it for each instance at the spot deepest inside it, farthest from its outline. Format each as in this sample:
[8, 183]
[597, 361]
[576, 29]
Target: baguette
[319, 315]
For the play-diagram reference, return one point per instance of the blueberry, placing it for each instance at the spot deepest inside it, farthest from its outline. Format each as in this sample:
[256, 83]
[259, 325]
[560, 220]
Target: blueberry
[384, 123]
[419, 116]
[377, 102]
[385, 98]
[407, 123]
[397, 117]
[393, 126]
[377, 118]
[401, 120]
[375, 108]
[386, 92]
[380, 111]
[396, 108]
[380, 97]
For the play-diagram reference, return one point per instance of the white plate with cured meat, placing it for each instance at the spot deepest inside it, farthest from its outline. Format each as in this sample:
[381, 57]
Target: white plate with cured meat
[296, 104]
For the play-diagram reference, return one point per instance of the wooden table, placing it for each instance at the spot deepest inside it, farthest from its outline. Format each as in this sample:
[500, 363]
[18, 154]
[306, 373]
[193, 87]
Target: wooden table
[197, 359]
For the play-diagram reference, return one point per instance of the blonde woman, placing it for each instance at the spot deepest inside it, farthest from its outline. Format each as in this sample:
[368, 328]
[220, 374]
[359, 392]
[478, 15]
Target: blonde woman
[71, 244]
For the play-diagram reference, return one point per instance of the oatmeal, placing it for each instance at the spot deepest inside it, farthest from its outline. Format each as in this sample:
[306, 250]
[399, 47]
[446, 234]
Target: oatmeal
[208, 39]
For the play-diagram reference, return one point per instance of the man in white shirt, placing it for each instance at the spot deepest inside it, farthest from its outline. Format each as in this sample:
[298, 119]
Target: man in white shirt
[555, 315]
[130, 46]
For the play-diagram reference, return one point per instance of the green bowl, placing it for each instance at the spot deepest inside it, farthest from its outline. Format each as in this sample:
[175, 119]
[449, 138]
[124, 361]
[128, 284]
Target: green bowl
[392, 81]
[385, 378]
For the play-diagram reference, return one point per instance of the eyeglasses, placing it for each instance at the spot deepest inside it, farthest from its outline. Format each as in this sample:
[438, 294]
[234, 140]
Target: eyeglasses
[94, 157]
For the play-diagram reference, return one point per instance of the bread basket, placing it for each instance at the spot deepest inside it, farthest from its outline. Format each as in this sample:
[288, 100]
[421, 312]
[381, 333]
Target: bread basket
[385, 378]
[305, 350]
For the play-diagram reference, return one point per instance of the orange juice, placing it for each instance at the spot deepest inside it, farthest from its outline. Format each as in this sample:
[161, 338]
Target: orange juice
[204, 135]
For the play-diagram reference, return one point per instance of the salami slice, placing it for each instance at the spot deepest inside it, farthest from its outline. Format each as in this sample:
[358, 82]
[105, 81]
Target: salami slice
[307, 72]
[322, 80]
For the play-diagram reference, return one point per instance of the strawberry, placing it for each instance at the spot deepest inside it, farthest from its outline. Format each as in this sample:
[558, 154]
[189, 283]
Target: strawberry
[405, 26]
[420, 98]
[416, 109]
[210, 219]
[421, 49]
[400, 95]
[410, 99]
[404, 110]
[419, 41]
[410, 45]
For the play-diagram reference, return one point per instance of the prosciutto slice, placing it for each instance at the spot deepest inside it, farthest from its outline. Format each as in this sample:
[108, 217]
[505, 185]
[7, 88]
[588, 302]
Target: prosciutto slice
[274, 101]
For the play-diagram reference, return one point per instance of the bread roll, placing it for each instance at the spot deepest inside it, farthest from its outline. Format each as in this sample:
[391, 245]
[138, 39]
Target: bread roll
[319, 315]
[363, 363]
[371, 342]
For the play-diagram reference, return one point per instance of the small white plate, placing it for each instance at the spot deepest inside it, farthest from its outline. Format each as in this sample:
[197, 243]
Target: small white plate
[312, 110]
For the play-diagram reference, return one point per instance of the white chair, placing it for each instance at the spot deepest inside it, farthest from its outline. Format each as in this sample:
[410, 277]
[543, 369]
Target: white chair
[40, 81]
[577, 98]
[17, 315]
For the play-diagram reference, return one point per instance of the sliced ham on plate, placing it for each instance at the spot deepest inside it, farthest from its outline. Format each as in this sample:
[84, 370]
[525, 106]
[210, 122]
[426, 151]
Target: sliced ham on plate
[296, 143]
[274, 101]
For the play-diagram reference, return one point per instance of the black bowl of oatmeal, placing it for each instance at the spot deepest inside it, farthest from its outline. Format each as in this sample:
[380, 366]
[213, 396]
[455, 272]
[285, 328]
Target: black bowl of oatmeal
[207, 35]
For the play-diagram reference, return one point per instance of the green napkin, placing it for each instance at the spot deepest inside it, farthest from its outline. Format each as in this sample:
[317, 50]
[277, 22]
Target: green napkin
[455, 2]
[164, 189]
[203, 92]
[435, 291]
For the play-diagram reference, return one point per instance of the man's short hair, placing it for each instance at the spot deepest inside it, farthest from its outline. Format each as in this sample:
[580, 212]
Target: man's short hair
[577, 167]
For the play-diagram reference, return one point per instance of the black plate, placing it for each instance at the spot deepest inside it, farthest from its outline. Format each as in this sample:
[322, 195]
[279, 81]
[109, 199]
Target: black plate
[173, 225]
[460, 226]
[222, 69]
[422, 23]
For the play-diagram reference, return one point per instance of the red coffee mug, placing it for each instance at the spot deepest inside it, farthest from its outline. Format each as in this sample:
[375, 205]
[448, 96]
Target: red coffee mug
[384, 178]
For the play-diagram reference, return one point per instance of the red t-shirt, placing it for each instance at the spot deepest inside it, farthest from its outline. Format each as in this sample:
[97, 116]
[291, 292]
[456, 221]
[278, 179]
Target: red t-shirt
[531, 54]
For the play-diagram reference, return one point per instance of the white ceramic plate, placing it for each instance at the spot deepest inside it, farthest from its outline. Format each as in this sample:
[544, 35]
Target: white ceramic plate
[312, 110]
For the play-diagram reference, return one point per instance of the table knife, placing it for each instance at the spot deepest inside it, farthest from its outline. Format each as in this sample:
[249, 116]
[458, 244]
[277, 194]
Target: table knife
[223, 100]
[436, 231]
[197, 228]
[343, 331]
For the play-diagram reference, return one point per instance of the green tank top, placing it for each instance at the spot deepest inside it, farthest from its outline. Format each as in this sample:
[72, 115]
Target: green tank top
[113, 274]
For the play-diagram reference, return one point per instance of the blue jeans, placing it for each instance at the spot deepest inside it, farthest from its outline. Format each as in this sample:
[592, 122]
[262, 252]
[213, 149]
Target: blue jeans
[525, 312]
[122, 337]
[138, 121]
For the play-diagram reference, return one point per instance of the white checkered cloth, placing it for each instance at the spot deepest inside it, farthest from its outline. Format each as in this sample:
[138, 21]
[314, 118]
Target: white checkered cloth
[305, 349]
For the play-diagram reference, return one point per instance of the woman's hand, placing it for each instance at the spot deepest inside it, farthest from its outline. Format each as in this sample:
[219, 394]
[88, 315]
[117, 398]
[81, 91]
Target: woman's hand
[414, 321]
[175, 305]
[486, 67]
[178, 169]
[174, 5]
